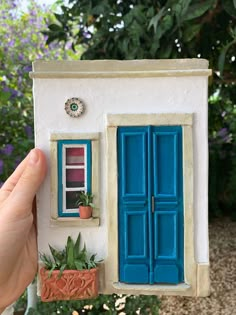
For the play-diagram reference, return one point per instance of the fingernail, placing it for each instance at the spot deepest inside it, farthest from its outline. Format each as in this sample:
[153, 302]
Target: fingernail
[33, 157]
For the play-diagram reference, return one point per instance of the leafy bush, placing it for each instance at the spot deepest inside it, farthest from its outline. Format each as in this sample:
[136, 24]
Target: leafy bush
[222, 152]
[108, 304]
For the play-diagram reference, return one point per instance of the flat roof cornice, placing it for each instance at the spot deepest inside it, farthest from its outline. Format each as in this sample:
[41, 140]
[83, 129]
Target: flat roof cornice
[117, 68]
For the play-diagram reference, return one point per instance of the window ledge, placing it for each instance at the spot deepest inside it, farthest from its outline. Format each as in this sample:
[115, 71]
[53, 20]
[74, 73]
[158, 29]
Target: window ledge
[74, 222]
[155, 288]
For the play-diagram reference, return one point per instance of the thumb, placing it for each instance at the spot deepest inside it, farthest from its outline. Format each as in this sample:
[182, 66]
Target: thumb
[23, 193]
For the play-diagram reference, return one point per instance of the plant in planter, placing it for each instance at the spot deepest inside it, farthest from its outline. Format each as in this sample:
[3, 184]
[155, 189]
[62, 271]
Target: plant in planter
[71, 274]
[85, 203]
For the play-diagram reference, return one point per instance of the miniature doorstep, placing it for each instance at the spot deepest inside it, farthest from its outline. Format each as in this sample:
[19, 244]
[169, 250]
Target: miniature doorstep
[134, 134]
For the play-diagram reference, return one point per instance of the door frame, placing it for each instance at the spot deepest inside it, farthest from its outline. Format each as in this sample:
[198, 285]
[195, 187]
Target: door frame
[113, 121]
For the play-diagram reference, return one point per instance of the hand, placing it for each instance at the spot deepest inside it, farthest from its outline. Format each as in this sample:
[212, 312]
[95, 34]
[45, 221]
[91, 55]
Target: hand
[18, 245]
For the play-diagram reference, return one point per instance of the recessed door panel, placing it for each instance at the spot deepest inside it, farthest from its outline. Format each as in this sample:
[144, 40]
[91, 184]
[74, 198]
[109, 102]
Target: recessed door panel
[165, 235]
[134, 164]
[165, 161]
[136, 240]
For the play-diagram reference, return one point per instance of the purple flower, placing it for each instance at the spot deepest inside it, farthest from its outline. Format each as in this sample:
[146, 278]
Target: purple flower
[21, 57]
[7, 150]
[6, 89]
[68, 45]
[1, 166]
[14, 93]
[28, 68]
[11, 43]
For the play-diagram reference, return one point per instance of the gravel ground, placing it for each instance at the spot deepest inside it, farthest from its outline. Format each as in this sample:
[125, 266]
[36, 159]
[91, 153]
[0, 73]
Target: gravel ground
[222, 300]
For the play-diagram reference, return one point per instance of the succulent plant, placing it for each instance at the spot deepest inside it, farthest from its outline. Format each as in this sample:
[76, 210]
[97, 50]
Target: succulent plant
[85, 199]
[70, 258]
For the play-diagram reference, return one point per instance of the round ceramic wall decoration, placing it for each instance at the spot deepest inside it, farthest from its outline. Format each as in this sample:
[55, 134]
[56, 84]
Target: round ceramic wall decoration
[74, 107]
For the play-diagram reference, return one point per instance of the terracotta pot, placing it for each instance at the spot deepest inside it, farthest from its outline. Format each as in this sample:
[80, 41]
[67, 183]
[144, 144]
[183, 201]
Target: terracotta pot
[72, 285]
[85, 212]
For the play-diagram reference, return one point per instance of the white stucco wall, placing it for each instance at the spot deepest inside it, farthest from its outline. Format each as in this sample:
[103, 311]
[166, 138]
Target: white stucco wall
[102, 95]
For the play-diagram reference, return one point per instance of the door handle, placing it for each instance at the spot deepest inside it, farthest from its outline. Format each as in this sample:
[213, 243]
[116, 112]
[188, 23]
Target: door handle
[153, 204]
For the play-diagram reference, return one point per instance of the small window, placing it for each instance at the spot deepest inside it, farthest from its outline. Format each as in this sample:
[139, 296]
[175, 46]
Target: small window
[74, 174]
[74, 168]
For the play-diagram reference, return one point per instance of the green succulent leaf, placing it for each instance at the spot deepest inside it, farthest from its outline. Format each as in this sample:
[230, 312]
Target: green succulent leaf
[63, 267]
[70, 253]
[77, 247]
[54, 267]
[85, 199]
[79, 265]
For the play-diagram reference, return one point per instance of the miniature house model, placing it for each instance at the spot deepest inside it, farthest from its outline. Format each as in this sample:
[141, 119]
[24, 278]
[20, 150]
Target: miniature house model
[134, 134]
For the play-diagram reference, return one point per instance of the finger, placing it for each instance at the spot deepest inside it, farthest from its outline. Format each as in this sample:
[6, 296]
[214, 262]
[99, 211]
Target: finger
[24, 191]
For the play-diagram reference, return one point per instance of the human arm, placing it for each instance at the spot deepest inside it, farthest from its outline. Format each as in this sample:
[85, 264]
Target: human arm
[18, 246]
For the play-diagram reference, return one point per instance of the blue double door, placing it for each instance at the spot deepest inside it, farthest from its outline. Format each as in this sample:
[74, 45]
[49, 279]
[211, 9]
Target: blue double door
[150, 204]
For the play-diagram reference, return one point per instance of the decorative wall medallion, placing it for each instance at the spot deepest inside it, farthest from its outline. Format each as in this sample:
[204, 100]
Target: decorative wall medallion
[74, 107]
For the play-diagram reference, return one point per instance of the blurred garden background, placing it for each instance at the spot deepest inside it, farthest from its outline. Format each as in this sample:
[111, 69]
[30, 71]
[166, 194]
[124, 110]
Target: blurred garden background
[120, 29]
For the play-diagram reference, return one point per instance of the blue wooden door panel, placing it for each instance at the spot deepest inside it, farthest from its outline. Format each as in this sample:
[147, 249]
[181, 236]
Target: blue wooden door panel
[168, 204]
[136, 241]
[165, 234]
[136, 273]
[150, 204]
[165, 161]
[167, 274]
[133, 205]
[134, 165]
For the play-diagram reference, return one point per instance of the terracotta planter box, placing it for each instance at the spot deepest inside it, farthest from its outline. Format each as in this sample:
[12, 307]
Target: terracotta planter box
[72, 285]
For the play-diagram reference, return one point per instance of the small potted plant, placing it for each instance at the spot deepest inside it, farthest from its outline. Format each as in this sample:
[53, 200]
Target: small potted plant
[70, 274]
[85, 203]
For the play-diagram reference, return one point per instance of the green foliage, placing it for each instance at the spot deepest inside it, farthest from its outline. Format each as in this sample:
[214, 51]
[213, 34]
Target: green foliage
[146, 28]
[85, 199]
[108, 304]
[70, 258]
[222, 151]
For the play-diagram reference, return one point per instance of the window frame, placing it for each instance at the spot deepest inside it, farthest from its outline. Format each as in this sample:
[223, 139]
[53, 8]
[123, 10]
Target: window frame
[54, 164]
[62, 189]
